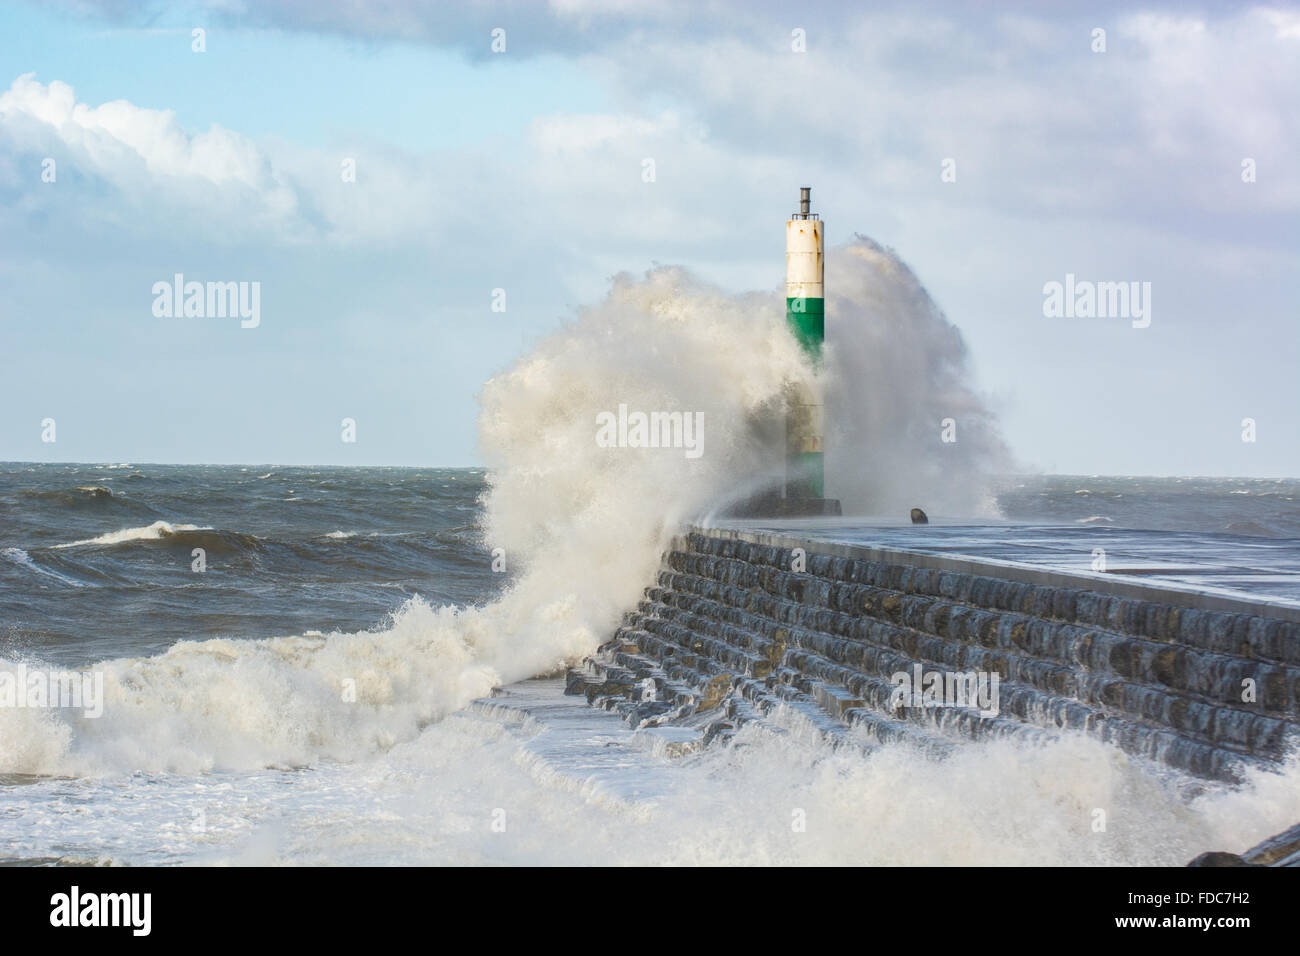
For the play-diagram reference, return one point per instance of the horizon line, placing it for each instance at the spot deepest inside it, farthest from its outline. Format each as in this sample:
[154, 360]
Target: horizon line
[267, 464]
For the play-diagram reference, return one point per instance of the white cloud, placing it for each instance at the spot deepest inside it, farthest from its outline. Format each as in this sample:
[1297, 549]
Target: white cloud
[583, 133]
[224, 185]
[148, 158]
[116, 132]
[1286, 22]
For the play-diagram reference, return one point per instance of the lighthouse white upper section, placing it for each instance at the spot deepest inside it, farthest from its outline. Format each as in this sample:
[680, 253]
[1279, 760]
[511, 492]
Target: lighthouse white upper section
[803, 259]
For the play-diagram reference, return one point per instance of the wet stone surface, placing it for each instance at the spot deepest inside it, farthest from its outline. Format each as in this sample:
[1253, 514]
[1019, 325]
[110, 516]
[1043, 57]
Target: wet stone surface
[729, 631]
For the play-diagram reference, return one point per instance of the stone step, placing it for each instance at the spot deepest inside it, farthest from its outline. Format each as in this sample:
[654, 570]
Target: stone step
[1187, 711]
[1221, 631]
[1210, 674]
[1037, 711]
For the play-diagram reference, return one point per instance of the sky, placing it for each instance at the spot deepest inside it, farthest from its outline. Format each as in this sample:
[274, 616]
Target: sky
[1169, 157]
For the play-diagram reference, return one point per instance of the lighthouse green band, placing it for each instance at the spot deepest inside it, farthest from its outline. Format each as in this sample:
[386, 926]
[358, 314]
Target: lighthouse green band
[807, 322]
[805, 470]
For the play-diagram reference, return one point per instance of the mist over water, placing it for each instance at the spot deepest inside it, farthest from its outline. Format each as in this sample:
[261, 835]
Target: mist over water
[897, 370]
[583, 524]
[580, 528]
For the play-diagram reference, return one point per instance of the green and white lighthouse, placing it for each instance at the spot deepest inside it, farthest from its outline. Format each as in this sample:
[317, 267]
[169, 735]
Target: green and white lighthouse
[805, 313]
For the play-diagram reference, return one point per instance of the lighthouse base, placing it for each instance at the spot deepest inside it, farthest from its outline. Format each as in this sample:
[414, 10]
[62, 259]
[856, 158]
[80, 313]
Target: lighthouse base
[774, 505]
[810, 507]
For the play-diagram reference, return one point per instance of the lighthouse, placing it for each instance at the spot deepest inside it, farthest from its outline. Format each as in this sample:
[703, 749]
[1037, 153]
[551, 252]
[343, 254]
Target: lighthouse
[805, 314]
[800, 492]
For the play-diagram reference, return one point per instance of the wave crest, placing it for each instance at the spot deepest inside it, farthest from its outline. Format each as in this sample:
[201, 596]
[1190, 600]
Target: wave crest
[174, 535]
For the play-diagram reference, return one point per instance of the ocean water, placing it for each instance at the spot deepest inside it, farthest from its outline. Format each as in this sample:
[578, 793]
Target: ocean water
[322, 692]
[1255, 507]
[290, 551]
[286, 550]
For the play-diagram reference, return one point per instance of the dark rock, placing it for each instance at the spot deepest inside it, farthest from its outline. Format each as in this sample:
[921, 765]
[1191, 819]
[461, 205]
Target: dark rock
[1219, 858]
[1280, 850]
[918, 517]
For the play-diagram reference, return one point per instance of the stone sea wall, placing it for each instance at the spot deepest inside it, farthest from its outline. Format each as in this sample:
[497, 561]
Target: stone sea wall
[738, 623]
